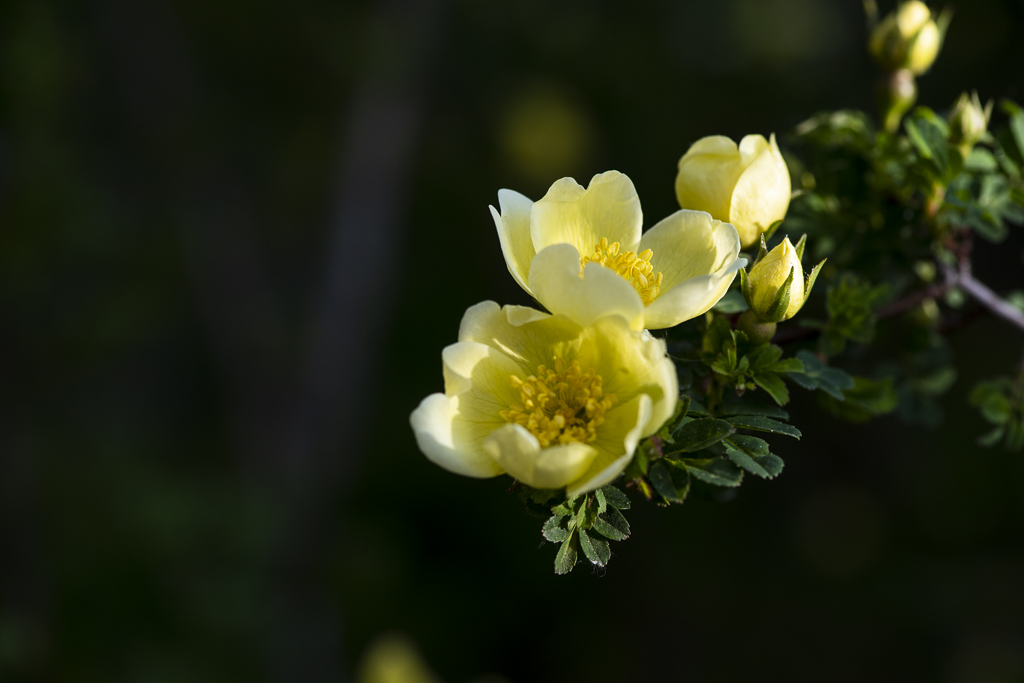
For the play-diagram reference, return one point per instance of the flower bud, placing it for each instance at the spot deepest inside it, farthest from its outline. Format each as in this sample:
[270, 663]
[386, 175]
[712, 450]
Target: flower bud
[908, 38]
[775, 288]
[746, 185]
[968, 121]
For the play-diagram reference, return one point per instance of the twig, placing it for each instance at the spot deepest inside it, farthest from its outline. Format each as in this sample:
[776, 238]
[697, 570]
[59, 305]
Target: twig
[985, 296]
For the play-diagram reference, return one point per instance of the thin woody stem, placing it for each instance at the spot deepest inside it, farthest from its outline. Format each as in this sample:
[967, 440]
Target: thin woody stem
[985, 296]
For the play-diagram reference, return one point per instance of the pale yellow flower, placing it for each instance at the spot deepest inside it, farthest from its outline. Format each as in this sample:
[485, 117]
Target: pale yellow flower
[747, 185]
[580, 252]
[550, 402]
[908, 38]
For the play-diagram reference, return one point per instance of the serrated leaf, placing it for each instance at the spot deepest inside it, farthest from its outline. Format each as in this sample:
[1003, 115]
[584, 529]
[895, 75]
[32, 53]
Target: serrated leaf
[564, 509]
[555, 530]
[697, 408]
[788, 365]
[699, 434]
[774, 385]
[612, 525]
[596, 549]
[664, 483]
[602, 502]
[615, 497]
[764, 424]
[752, 454]
[715, 471]
[565, 560]
[817, 375]
[745, 406]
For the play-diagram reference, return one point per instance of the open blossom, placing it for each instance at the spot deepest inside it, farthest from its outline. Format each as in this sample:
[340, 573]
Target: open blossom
[550, 402]
[747, 185]
[580, 252]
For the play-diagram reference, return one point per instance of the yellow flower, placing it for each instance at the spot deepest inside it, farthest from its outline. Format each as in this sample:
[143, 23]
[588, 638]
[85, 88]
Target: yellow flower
[908, 38]
[550, 402]
[580, 253]
[775, 288]
[747, 185]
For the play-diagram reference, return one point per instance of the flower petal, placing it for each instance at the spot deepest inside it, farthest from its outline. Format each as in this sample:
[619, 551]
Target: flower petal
[707, 174]
[761, 195]
[691, 298]
[444, 441]
[684, 246]
[616, 442]
[483, 371]
[513, 224]
[631, 363]
[518, 452]
[526, 335]
[568, 214]
[555, 281]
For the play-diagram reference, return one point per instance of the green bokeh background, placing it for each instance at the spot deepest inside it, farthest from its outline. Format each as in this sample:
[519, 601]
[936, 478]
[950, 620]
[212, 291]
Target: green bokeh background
[234, 237]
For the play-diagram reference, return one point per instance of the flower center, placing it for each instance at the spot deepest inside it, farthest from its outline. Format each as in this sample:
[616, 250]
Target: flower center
[636, 268]
[560, 406]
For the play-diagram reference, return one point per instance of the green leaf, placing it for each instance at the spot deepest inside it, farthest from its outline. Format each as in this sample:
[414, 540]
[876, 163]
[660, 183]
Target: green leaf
[764, 424]
[555, 529]
[597, 550]
[992, 438]
[715, 471]
[774, 385]
[731, 303]
[602, 502]
[615, 497]
[612, 525]
[565, 560]
[752, 454]
[867, 399]
[671, 482]
[1016, 114]
[698, 434]
[733, 405]
[817, 375]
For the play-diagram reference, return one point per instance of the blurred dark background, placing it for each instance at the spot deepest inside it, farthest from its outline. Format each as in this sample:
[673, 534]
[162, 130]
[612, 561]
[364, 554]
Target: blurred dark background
[234, 237]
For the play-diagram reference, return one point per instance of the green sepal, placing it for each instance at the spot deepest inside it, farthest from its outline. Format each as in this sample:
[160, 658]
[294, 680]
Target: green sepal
[745, 286]
[762, 250]
[811, 279]
[767, 234]
[612, 525]
[800, 247]
[597, 550]
[565, 560]
[776, 310]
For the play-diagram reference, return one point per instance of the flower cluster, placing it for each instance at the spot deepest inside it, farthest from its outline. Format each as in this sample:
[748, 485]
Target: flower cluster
[561, 400]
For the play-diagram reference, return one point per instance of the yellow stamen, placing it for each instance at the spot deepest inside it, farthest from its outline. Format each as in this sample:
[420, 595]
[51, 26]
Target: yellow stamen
[560, 406]
[635, 268]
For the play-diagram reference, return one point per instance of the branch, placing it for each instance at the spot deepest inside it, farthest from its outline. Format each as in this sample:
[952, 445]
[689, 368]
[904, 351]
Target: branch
[985, 296]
